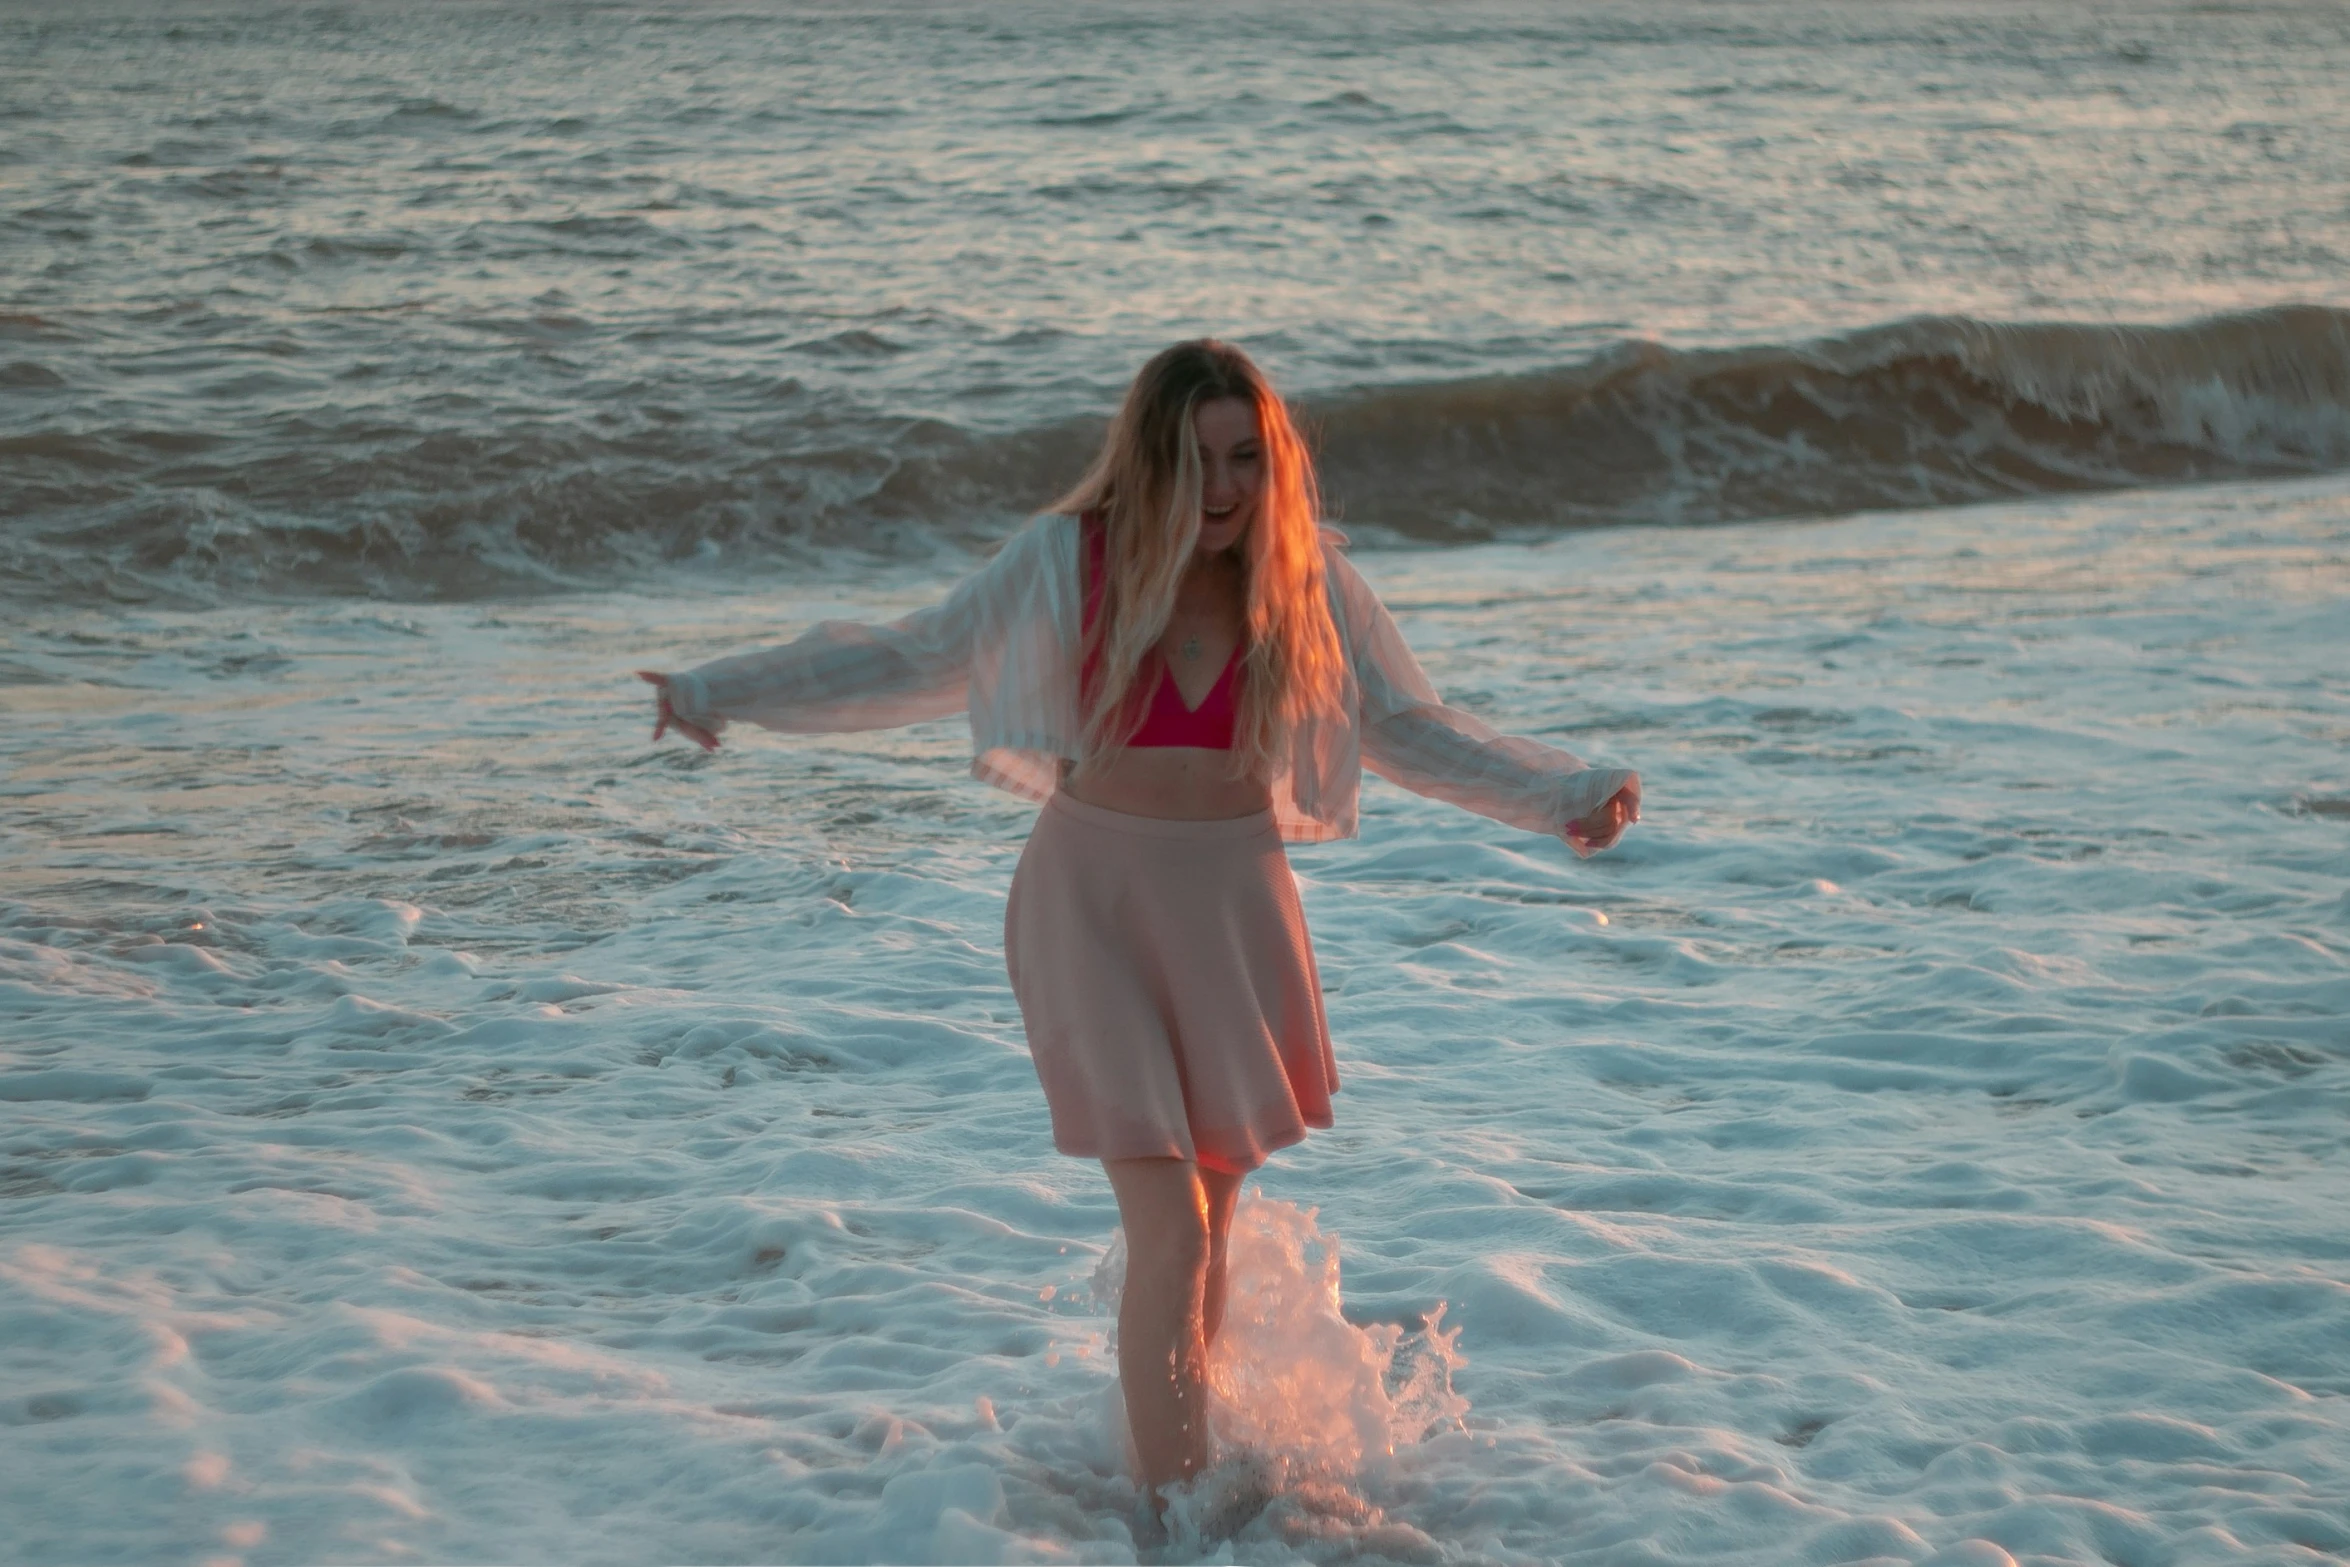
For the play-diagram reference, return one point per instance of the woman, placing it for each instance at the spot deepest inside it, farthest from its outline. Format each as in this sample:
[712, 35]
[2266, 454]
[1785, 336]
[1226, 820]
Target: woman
[1179, 663]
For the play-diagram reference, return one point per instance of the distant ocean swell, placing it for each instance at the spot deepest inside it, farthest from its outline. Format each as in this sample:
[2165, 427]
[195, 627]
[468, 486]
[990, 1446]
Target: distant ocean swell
[1925, 412]
[458, 499]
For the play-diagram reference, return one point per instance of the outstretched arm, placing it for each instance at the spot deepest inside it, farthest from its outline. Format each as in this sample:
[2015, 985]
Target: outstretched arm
[1411, 737]
[843, 675]
[1450, 755]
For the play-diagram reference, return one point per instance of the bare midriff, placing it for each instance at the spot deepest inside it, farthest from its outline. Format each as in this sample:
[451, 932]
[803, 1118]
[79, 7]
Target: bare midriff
[1180, 783]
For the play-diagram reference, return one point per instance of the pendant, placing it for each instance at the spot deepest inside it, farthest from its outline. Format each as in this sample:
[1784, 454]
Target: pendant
[1190, 649]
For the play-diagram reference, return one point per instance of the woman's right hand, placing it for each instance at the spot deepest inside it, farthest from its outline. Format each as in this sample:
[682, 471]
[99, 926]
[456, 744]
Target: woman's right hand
[665, 717]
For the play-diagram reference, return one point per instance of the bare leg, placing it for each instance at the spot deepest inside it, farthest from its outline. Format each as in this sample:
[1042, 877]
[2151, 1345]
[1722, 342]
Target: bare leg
[1223, 1193]
[1161, 1354]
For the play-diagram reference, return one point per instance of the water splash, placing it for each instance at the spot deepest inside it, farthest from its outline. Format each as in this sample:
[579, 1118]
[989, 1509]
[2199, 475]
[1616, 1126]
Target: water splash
[1289, 1376]
[1307, 1408]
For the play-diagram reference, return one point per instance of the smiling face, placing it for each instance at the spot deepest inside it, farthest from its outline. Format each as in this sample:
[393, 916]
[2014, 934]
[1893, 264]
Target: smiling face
[1201, 427]
[1232, 470]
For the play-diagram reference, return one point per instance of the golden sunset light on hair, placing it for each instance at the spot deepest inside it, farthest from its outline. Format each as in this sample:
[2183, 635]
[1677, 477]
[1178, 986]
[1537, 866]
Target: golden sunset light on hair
[1146, 485]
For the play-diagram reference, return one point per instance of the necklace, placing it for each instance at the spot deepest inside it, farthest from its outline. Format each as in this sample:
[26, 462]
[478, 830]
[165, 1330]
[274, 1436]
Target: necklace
[1190, 648]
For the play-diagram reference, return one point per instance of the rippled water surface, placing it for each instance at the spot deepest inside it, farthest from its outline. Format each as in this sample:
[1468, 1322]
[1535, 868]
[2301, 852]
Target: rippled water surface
[433, 1123]
[436, 1124]
[421, 297]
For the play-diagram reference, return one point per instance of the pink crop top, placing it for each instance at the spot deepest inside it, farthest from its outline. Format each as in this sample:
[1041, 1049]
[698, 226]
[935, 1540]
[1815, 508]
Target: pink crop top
[1165, 721]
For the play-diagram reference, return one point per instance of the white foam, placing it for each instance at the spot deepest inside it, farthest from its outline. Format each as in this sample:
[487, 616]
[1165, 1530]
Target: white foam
[435, 1125]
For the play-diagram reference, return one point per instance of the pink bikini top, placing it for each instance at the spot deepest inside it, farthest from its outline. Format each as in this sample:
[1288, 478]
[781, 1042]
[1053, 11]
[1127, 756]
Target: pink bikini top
[1165, 721]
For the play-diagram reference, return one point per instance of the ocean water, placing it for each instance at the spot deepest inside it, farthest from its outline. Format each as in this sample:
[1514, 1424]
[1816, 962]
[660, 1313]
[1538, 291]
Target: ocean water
[479, 298]
[436, 1124]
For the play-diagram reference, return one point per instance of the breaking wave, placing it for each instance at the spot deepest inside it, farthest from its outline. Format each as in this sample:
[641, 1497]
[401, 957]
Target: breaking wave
[449, 500]
[1925, 412]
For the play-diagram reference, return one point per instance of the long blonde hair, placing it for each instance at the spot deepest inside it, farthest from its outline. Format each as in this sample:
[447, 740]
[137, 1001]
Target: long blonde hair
[1146, 488]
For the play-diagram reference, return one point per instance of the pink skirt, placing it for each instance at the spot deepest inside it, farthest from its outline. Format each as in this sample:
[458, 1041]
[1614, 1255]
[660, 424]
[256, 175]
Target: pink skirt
[1168, 986]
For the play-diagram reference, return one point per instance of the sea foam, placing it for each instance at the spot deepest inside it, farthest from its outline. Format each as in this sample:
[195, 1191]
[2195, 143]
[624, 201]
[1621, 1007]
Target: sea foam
[434, 1122]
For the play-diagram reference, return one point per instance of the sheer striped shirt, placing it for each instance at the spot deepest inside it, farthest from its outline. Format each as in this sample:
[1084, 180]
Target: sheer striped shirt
[1002, 647]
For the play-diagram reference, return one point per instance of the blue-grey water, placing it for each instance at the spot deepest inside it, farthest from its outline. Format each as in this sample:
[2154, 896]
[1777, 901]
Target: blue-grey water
[437, 1124]
[456, 298]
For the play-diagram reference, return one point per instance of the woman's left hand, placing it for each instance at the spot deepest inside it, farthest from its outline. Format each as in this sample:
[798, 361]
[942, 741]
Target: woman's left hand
[1604, 826]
